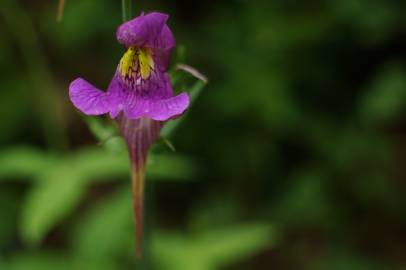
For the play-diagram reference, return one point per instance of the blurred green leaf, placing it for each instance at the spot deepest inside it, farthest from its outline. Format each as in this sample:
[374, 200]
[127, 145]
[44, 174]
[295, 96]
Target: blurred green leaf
[214, 249]
[373, 26]
[24, 162]
[60, 188]
[171, 167]
[194, 93]
[99, 129]
[168, 143]
[106, 133]
[47, 260]
[60, 182]
[344, 260]
[9, 211]
[50, 201]
[42, 261]
[81, 22]
[305, 202]
[113, 215]
[385, 99]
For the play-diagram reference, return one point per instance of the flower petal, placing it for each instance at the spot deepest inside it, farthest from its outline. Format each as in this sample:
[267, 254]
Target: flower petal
[160, 110]
[162, 47]
[87, 98]
[141, 30]
[117, 96]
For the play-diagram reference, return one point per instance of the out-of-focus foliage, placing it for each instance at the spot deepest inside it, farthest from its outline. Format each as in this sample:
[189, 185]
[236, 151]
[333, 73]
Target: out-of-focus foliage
[291, 157]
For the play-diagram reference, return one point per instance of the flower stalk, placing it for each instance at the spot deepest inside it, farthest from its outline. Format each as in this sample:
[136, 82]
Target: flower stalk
[139, 135]
[59, 13]
[126, 9]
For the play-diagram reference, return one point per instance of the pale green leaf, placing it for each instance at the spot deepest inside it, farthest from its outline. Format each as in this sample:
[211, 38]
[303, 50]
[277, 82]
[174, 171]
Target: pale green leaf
[211, 250]
[113, 215]
[24, 162]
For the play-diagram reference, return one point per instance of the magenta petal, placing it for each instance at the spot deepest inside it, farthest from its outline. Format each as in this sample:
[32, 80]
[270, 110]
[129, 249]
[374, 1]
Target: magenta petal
[163, 46]
[87, 98]
[116, 96]
[141, 30]
[162, 110]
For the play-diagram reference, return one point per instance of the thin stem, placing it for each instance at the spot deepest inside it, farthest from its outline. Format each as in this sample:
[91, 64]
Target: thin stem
[139, 135]
[126, 9]
[138, 180]
[59, 13]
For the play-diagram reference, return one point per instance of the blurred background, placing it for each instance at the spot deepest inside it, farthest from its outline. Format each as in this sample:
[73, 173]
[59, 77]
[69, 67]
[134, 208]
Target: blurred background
[292, 157]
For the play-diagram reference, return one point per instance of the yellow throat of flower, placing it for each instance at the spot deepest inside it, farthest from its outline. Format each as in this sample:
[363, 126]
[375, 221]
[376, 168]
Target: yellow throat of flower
[136, 60]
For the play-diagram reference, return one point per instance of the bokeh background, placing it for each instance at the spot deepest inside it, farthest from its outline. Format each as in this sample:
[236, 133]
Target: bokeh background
[292, 157]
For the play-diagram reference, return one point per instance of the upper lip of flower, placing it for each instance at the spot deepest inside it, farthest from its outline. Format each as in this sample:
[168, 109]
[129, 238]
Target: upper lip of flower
[141, 86]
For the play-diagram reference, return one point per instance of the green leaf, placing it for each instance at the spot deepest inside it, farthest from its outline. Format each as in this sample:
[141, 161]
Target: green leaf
[24, 162]
[168, 143]
[51, 200]
[194, 93]
[45, 260]
[305, 202]
[112, 215]
[214, 249]
[171, 167]
[386, 97]
[42, 261]
[61, 187]
[99, 129]
[343, 260]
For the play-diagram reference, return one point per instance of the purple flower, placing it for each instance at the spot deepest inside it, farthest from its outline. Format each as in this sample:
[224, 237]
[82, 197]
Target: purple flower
[139, 97]
[140, 86]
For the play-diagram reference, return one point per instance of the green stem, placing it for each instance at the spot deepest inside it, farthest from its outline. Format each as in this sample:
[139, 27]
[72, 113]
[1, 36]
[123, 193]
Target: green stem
[126, 9]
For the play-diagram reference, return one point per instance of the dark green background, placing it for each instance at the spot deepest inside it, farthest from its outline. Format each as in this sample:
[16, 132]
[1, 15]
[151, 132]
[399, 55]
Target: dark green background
[293, 156]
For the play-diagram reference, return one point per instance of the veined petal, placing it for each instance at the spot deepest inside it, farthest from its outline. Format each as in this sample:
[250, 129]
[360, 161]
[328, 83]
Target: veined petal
[159, 110]
[117, 96]
[87, 98]
[155, 100]
[163, 47]
[164, 109]
[141, 30]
